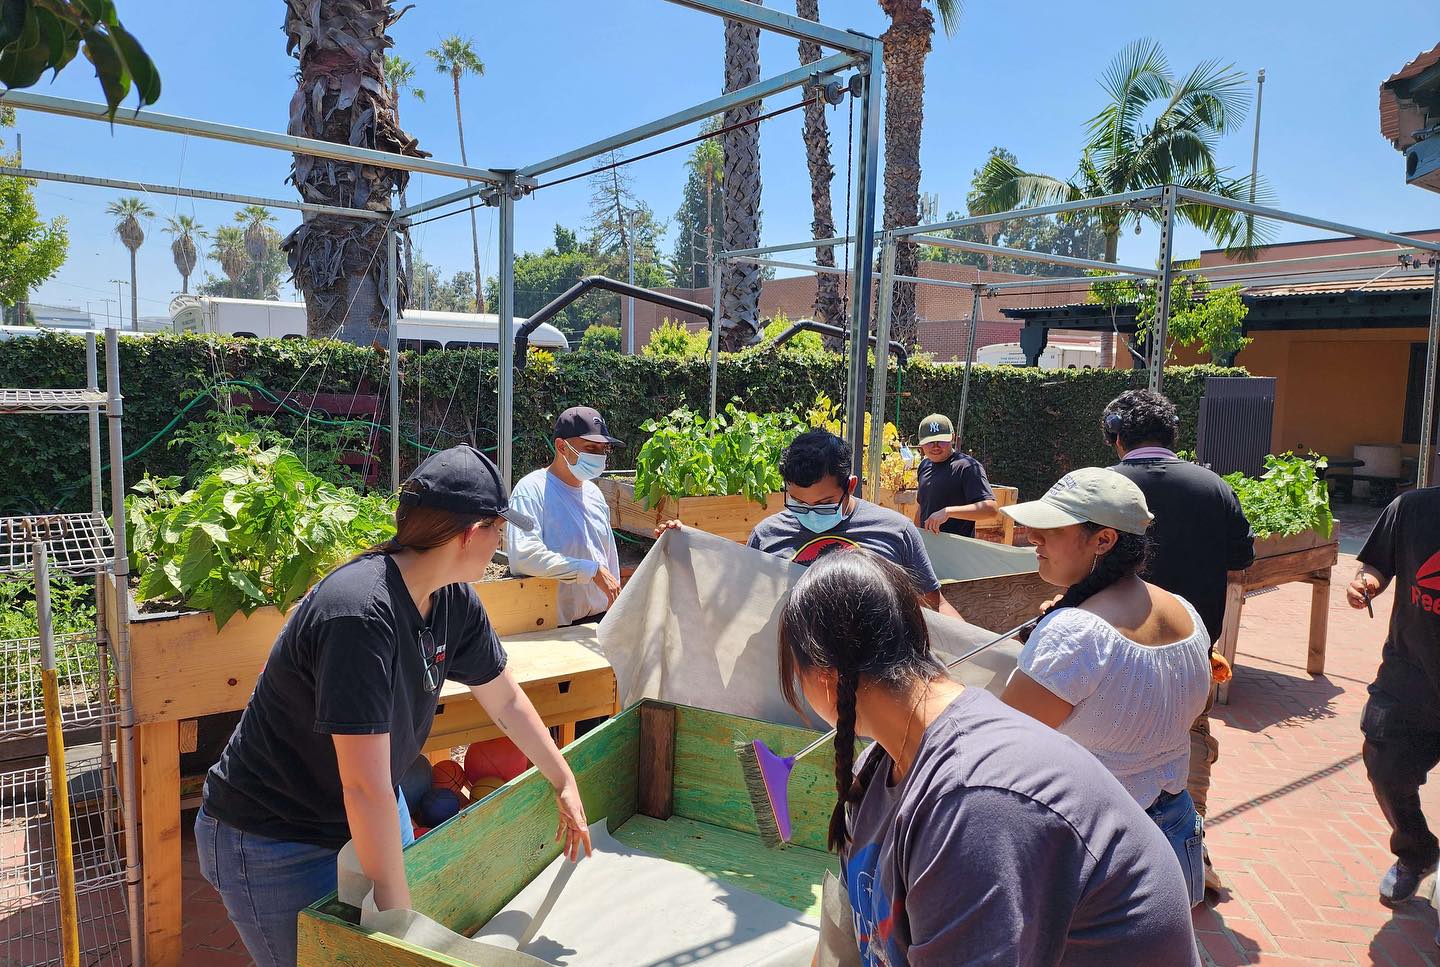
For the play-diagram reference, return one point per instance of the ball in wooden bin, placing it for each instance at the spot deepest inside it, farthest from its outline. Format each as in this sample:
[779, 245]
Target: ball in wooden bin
[497, 757]
[449, 775]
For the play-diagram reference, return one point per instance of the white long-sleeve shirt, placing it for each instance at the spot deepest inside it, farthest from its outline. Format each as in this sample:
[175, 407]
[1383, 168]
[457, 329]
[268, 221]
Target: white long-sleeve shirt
[573, 540]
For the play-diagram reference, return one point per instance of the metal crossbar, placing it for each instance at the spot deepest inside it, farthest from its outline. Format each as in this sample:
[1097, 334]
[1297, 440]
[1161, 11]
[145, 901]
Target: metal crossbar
[77, 543]
[51, 400]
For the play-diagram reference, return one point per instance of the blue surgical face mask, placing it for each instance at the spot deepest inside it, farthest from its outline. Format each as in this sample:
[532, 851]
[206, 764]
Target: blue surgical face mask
[816, 521]
[587, 466]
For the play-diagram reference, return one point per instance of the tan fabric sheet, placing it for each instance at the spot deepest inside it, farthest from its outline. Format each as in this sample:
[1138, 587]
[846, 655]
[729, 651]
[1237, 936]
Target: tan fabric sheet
[964, 558]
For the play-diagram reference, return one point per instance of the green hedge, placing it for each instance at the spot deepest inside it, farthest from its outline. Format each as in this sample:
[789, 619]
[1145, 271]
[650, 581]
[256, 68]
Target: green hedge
[1028, 426]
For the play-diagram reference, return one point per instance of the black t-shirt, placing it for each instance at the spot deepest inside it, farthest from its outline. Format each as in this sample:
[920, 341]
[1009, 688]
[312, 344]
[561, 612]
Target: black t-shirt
[952, 483]
[347, 662]
[1198, 535]
[1405, 547]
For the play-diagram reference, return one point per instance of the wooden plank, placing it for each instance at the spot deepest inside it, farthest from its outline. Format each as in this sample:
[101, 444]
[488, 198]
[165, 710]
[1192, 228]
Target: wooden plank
[1269, 571]
[793, 877]
[159, 752]
[997, 523]
[325, 939]
[656, 794]
[1230, 633]
[1319, 624]
[520, 605]
[189, 735]
[999, 603]
[732, 516]
[710, 788]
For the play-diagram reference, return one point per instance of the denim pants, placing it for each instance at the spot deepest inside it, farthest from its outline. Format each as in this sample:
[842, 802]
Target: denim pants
[1175, 814]
[265, 883]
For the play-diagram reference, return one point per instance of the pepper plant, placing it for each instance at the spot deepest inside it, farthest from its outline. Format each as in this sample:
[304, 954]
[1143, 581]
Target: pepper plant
[735, 453]
[1288, 498]
[256, 530]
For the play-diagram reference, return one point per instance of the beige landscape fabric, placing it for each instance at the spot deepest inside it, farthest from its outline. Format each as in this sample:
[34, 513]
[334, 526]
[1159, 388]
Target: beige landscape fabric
[698, 624]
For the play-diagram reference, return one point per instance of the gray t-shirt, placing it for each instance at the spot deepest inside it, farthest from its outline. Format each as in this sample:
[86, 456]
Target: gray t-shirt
[1009, 844]
[869, 526]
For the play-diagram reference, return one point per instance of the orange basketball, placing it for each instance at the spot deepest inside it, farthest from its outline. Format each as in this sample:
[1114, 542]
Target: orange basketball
[484, 786]
[498, 757]
[448, 774]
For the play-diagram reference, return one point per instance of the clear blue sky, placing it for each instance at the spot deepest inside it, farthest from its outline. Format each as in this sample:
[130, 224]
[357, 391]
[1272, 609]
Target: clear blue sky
[560, 73]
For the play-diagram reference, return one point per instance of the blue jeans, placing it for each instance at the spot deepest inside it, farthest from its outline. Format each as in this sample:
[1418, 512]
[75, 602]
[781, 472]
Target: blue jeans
[265, 883]
[1175, 814]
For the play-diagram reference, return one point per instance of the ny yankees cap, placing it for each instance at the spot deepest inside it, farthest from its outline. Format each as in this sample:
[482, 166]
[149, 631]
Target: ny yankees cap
[936, 428]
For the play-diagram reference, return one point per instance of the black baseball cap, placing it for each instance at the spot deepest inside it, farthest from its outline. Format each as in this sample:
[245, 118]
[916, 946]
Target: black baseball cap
[462, 480]
[585, 423]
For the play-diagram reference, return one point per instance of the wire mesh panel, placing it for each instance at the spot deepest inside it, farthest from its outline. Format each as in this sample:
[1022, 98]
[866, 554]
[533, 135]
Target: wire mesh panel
[77, 664]
[29, 879]
[50, 400]
[76, 543]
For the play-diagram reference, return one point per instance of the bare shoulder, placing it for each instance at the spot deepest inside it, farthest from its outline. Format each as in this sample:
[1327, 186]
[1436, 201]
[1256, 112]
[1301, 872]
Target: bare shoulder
[1142, 612]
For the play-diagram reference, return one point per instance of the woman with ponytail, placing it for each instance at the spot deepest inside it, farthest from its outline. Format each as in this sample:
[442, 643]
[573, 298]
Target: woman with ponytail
[1119, 665]
[346, 701]
[968, 832]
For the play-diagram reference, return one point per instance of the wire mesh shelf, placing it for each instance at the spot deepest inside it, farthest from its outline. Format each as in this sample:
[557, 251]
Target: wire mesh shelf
[28, 875]
[30, 935]
[77, 666]
[76, 543]
[51, 400]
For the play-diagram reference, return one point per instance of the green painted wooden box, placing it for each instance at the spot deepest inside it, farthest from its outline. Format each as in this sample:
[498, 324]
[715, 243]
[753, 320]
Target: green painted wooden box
[666, 777]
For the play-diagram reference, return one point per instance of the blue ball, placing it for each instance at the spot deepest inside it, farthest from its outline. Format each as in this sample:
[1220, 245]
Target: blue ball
[415, 781]
[438, 805]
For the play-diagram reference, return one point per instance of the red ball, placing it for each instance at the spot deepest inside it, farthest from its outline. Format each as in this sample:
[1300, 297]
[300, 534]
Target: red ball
[448, 774]
[421, 831]
[498, 757]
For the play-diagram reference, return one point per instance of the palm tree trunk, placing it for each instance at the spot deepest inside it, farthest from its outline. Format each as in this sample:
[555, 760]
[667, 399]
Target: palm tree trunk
[829, 303]
[474, 232]
[184, 284]
[134, 296]
[740, 192]
[907, 44]
[409, 248]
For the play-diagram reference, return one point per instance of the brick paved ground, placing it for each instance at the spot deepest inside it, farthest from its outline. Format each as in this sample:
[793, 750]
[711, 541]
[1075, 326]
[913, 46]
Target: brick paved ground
[1293, 827]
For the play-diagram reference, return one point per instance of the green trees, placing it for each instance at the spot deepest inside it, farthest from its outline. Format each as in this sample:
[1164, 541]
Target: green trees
[128, 212]
[31, 250]
[250, 256]
[700, 218]
[456, 57]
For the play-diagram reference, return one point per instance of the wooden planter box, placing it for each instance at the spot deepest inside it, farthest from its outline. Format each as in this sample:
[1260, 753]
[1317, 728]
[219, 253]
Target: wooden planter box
[664, 777]
[999, 603]
[1275, 546]
[732, 517]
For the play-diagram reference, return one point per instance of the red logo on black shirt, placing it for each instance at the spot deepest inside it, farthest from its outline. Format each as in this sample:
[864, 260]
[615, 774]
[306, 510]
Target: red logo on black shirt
[812, 551]
[1429, 574]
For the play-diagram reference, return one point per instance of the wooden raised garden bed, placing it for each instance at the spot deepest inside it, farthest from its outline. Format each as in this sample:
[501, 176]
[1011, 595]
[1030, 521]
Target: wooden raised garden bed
[1305, 557]
[666, 779]
[732, 517]
[184, 669]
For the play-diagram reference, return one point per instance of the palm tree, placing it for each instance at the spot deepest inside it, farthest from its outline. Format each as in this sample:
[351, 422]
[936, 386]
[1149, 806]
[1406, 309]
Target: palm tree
[906, 45]
[182, 249]
[739, 291]
[456, 56]
[255, 219]
[829, 303]
[128, 212]
[1126, 151]
[400, 76]
[227, 246]
[341, 96]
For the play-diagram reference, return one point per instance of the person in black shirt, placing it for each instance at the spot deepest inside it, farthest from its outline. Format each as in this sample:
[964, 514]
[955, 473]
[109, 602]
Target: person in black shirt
[1401, 721]
[954, 491]
[345, 703]
[1200, 534]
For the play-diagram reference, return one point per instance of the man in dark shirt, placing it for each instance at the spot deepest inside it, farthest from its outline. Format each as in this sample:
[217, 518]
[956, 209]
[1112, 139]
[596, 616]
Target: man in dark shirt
[954, 491]
[1401, 721]
[1200, 534]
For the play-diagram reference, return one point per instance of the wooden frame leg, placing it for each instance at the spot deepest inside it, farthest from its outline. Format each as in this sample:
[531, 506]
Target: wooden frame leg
[567, 734]
[159, 751]
[1319, 623]
[1230, 635]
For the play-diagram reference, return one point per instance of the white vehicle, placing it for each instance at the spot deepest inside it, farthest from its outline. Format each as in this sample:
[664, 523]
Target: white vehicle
[1055, 356]
[25, 332]
[286, 320]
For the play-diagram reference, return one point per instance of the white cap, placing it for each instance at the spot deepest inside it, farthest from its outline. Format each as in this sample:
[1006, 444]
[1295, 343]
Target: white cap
[1091, 495]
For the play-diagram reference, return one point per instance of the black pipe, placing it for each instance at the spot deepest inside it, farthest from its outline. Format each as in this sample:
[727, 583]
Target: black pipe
[810, 325]
[556, 305]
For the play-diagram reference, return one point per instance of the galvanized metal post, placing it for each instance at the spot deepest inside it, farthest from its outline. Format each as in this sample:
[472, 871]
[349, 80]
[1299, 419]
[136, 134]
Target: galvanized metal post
[505, 424]
[392, 315]
[969, 362]
[874, 452]
[714, 334]
[1160, 326]
[92, 383]
[863, 252]
[1427, 400]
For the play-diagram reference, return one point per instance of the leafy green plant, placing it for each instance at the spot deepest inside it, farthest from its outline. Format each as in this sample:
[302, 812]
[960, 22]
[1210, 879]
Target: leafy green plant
[1213, 318]
[735, 453]
[810, 341]
[72, 612]
[601, 339]
[257, 532]
[671, 340]
[1288, 498]
[207, 442]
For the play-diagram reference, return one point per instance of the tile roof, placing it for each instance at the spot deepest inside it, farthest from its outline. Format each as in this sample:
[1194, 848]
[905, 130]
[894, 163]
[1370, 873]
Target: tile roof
[1401, 116]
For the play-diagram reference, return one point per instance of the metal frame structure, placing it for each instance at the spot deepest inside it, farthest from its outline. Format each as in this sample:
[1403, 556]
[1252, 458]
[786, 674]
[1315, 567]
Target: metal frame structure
[502, 187]
[1167, 199]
